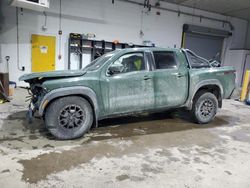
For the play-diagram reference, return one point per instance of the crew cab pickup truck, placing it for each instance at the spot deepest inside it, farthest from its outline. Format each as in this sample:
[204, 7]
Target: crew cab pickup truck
[128, 81]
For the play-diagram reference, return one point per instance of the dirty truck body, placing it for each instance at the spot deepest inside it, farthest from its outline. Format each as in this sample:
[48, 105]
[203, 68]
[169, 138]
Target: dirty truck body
[126, 82]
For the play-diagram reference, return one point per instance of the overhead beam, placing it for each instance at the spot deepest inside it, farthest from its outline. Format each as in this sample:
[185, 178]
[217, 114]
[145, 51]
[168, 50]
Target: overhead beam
[236, 10]
[179, 2]
[183, 12]
[216, 12]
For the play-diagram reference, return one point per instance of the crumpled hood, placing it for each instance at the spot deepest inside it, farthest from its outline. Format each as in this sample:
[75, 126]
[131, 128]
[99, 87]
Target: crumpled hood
[52, 74]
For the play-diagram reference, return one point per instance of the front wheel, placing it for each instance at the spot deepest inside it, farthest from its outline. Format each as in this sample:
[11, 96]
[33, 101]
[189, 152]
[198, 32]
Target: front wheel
[205, 107]
[69, 117]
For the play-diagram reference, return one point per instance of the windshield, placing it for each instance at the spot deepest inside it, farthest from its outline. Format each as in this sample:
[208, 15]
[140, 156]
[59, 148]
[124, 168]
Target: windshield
[97, 63]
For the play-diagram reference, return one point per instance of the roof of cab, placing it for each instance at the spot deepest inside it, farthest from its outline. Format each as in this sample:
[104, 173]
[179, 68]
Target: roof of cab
[149, 48]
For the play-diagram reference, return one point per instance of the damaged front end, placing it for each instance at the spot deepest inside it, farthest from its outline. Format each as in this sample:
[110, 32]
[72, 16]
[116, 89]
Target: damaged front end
[36, 94]
[37, 88]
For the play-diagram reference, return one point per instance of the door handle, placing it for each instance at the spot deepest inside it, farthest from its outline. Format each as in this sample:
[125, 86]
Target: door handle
[147, 78]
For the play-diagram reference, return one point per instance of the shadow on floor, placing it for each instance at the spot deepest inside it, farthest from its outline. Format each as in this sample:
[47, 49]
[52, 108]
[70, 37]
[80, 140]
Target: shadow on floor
[19, 121]
[155, 123]
[128, 126]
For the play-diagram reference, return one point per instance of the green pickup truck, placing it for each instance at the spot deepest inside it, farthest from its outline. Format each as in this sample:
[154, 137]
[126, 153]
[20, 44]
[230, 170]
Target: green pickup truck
[128, 81]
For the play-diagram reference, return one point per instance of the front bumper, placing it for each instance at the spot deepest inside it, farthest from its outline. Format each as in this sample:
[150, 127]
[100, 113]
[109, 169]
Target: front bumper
[30, 113]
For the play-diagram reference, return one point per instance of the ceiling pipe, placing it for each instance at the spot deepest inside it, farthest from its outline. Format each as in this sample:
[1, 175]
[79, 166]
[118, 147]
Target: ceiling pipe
[184, 13]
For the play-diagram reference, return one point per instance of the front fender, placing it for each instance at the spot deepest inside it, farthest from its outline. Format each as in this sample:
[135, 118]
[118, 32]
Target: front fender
[67, 91]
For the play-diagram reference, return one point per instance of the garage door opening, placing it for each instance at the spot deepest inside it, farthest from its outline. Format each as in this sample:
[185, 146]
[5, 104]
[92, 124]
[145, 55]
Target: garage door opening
[205, 42]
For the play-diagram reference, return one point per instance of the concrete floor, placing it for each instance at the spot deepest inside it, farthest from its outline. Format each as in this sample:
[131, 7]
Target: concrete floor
[159, 150]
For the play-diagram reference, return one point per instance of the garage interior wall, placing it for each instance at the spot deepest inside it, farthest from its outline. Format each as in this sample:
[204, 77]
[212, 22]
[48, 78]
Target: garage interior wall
[248, 36]
[121, 21]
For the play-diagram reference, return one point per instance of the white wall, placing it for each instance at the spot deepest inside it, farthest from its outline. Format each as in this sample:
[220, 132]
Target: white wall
[237, 58]
[121, 21]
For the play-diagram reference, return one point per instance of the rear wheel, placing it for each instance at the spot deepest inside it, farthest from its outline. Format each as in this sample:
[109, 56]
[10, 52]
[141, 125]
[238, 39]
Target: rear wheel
[205, 107]
[69, 117]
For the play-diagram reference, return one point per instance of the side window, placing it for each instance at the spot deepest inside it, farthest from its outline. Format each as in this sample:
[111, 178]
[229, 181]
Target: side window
[165, 60]
[128, 63]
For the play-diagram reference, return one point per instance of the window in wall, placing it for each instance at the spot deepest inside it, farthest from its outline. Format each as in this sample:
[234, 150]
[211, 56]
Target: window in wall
[165, 60]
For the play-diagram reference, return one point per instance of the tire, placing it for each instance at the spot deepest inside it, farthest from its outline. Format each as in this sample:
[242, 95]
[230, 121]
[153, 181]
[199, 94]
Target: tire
[204, 107]
[69, 117]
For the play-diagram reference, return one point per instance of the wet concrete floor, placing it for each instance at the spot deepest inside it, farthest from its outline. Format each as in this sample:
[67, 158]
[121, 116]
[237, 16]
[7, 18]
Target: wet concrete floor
[150, 150]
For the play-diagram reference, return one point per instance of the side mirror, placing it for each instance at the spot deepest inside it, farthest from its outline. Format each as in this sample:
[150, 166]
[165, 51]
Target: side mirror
[115, 68]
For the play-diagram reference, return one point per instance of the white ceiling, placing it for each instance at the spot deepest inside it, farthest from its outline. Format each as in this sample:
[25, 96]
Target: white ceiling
[236, 8]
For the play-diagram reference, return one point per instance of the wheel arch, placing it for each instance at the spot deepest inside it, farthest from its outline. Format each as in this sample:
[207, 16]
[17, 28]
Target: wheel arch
[213, 86]
[81, 91]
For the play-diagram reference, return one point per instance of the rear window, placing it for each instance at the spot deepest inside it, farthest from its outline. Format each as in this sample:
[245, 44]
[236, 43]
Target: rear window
[165, 60]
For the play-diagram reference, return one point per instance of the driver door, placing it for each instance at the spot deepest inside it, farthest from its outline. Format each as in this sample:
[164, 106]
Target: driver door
[131, 88]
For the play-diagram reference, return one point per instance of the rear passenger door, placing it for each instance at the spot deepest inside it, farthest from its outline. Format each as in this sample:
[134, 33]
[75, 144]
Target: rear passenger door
[170, 79]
